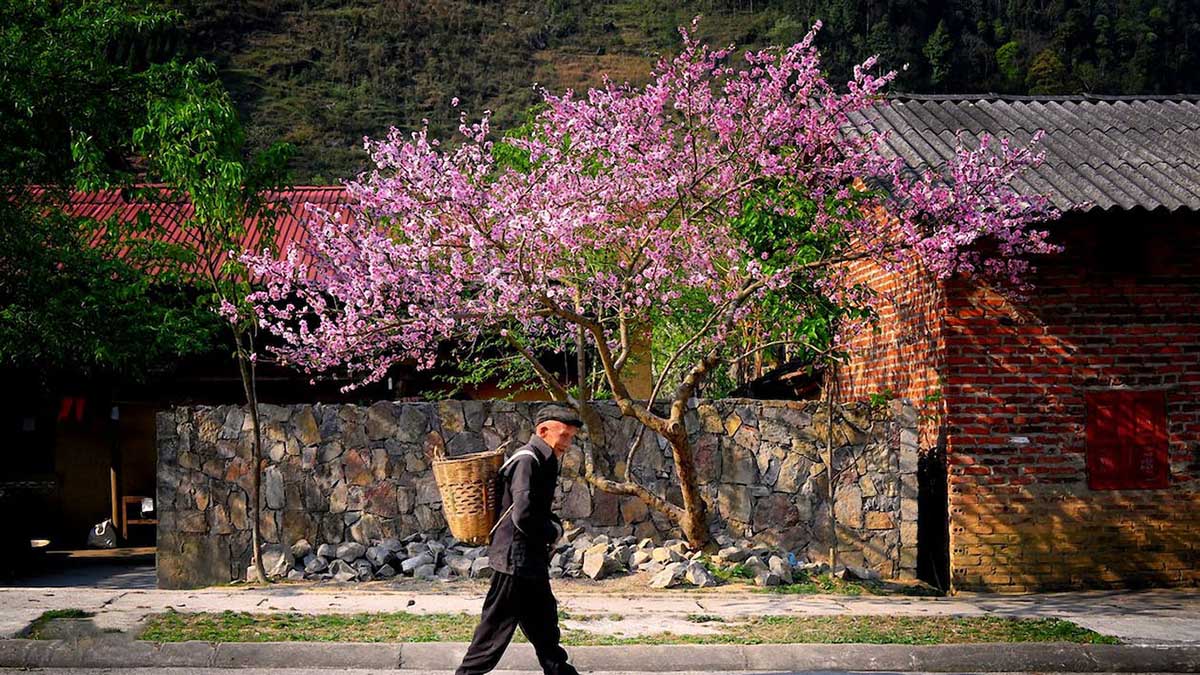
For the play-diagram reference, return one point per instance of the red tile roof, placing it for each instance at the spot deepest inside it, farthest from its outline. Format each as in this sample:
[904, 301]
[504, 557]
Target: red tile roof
[169, 215]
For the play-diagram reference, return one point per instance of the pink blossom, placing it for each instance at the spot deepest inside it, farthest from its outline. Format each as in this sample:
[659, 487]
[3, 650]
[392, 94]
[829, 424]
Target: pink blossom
[228, 311]
[626, 215]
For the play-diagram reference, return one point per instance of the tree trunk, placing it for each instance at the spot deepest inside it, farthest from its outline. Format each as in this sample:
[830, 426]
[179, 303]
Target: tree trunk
[695, 512]
[694, 524]
[255, 497]
[832, 491]
[596, 437]
[692, 518]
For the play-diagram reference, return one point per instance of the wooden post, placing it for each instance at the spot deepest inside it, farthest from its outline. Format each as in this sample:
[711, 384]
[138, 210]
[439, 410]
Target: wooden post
[114, 471]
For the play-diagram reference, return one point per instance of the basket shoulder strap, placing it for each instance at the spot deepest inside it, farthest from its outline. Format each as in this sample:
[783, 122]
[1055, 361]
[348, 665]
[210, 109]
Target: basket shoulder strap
[514, 457]
[504, 466]
[500, 520]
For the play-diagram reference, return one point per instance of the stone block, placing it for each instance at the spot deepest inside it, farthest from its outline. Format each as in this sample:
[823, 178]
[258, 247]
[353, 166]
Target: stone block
[192, 561]
[793, 472]
[671, 575]
[598, 564]
[410, 565]
[710, 418]
[366, 529]
[848, 507]
[406, 499]
[381, 423]
[277, 560]
[577, 503]
[733, 554]
[351, 551]
[775, 511]
[341, 571]
[606, 509]
[464, 443]
[459, 564]
[775, 432]
[430, 519]
[780, 568]
[665, 555]
[333, 528]
[572, 462]
[732, 424]
[867, 485]
[708, 458]
[480, 569]
[380, 499]
[633, 510]
[877, 520]
[450, 414]
[698, 575]
[734, 502]
[339, 498]
[747, 437]
[427, 491]
[273, 489]
[330, 451]
[739, 465]
[297, 525]
[766, 578]
[411, 424]
[356, 464]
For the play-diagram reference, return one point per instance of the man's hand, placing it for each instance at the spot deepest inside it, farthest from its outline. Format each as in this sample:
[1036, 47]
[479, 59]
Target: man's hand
[557, 527]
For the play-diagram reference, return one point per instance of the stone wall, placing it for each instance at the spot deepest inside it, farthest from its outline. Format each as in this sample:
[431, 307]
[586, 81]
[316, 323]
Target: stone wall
[337, 473]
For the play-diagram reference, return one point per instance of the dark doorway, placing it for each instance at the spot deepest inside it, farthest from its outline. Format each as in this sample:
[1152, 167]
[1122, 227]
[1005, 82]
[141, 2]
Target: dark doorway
[933, 518]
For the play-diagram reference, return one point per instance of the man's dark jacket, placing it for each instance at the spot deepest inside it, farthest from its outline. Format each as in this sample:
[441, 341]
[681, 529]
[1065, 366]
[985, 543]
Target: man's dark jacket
[525, 537]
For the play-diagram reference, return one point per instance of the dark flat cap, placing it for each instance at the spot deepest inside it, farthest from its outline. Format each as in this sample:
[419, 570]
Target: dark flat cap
[558, 413]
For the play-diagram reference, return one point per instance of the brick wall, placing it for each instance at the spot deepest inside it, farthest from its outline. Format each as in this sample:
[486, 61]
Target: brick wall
[1120, 308]
[1117, 309]
[901, 351]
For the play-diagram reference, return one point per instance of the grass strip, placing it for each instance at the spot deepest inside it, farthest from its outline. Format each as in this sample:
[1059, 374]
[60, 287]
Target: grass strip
[38, 626]
[825, 583]
[405, 627]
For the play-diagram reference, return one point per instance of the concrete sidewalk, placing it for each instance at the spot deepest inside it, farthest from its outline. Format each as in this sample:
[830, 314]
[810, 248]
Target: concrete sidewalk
[1146, 617]
[120, 652]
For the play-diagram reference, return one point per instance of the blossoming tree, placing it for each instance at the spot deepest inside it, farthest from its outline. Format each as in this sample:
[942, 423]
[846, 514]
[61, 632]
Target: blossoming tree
[627, 208]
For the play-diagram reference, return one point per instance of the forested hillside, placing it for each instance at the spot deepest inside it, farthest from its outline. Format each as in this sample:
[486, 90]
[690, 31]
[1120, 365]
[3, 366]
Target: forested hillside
[324, 73]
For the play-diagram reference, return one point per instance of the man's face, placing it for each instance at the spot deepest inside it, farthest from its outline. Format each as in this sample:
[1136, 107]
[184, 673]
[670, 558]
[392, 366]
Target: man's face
[557, 435]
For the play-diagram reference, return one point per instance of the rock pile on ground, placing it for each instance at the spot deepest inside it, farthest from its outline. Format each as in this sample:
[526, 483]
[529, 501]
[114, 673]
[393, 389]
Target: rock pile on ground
[673, 563]
[415, 556]
[579, 554]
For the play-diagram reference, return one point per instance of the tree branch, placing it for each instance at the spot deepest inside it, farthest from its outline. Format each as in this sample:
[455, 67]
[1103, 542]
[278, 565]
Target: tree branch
[620, 394]
[551, 382]
[623, 328]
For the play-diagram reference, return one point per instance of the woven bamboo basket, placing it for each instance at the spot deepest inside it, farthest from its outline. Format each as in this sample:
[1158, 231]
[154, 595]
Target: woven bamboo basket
[470, 494]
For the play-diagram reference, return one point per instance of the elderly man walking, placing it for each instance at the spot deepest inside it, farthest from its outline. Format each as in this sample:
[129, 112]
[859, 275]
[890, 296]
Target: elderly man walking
[522, 543]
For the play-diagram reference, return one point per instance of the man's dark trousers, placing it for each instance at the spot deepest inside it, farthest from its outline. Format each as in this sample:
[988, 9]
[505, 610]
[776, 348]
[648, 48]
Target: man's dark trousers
[511, 601]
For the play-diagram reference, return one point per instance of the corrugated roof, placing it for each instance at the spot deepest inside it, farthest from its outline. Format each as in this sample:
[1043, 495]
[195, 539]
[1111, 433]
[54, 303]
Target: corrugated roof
[1102, 152]
[169, 216]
